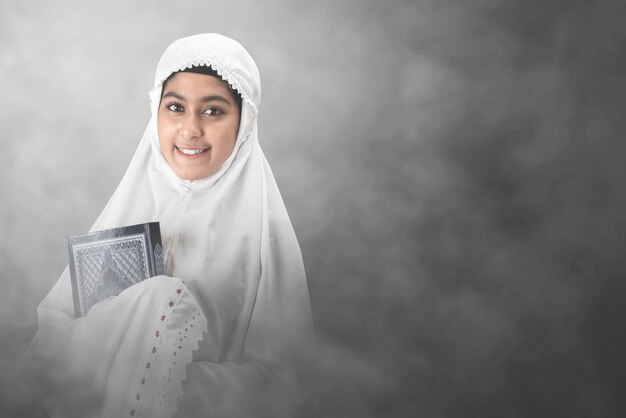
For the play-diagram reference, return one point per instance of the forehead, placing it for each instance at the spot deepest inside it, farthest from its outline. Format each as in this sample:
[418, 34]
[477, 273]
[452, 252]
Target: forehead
[194, 84]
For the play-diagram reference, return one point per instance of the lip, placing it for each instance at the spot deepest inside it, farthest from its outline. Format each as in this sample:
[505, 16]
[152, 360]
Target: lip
[193, 148]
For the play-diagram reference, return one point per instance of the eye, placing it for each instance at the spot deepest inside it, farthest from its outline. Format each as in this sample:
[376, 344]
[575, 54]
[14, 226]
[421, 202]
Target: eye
[213, 111]
[175, 107]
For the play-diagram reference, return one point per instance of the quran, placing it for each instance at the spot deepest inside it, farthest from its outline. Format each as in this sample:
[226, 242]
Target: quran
[103, 263]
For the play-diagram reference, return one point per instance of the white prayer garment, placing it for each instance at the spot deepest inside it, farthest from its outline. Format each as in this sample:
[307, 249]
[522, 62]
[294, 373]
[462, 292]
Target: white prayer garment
[220, 333]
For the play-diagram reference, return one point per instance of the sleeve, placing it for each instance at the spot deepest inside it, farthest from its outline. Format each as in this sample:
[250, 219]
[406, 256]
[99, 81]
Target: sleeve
[124, 358]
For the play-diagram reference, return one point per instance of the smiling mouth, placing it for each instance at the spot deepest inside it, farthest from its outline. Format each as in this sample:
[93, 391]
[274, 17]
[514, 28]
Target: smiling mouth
[192, 151]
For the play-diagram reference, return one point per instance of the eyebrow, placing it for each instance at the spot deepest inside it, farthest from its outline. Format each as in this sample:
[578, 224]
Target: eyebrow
[204, 99]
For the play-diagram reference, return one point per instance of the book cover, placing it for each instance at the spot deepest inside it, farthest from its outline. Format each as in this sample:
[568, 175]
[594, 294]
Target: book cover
[103, 263]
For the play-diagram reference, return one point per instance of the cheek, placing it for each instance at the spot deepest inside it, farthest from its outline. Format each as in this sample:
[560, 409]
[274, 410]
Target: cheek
[229, 143]
[228, 136]
[166, 131]
[233, 131]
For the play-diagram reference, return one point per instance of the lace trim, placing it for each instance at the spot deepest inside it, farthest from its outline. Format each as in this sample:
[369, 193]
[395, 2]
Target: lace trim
[161, 385]
[180, 353]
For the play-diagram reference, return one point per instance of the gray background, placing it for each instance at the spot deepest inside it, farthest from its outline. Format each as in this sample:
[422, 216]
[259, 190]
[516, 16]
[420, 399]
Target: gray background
[453, 170]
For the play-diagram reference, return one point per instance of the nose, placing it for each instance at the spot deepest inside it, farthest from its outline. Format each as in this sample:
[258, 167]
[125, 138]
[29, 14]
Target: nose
[191, 127]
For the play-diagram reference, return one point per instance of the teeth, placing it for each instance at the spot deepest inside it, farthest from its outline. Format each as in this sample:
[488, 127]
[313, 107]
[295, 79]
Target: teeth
[191, 151]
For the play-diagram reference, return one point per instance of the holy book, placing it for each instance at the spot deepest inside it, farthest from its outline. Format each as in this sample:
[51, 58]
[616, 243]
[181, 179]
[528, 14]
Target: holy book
[103, 263]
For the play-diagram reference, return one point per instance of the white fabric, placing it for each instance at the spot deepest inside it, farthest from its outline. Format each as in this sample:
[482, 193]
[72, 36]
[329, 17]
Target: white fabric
[230, 239]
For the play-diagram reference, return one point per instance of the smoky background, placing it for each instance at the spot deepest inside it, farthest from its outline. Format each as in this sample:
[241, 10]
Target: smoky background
[453, 170]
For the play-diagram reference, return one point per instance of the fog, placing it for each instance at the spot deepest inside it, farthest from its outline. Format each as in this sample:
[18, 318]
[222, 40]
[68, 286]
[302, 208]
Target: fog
[453, 170]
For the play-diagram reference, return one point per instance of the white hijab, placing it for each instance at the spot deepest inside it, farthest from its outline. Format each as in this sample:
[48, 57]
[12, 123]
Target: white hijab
[228, 239]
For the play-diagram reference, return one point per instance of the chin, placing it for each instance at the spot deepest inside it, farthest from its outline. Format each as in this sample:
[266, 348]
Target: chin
[194, 175]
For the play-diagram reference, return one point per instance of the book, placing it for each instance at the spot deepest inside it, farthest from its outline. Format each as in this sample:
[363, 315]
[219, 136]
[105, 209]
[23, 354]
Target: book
[103, 263]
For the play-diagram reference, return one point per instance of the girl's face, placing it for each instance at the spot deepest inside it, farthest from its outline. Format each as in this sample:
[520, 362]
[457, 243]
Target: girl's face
[197, 123]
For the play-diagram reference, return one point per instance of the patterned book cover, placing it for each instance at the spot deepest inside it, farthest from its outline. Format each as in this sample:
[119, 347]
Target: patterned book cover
[103, 263]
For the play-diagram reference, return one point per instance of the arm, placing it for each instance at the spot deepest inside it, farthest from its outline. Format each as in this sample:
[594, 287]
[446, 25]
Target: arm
[115, 359]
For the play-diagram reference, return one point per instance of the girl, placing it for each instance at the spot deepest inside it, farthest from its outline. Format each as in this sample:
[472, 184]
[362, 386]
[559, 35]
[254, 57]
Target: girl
[217, 335]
